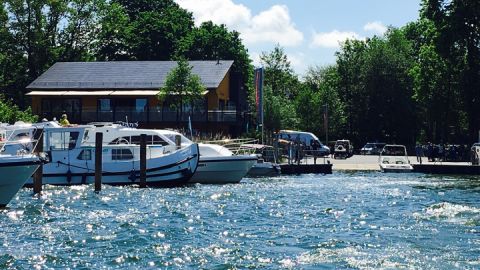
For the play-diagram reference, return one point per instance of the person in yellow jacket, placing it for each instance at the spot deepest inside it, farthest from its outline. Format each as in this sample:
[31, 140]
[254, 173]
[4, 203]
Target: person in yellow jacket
[64, 121]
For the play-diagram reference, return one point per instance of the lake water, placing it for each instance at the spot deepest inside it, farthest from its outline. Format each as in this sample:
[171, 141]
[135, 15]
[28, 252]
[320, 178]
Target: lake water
[347, 221]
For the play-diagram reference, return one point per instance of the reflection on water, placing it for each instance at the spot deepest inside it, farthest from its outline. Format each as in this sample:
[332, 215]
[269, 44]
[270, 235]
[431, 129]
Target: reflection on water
[354, 220]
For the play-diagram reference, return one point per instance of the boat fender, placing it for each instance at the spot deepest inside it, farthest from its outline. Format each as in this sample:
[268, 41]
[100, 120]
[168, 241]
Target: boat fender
[69, 176]
[133, 176]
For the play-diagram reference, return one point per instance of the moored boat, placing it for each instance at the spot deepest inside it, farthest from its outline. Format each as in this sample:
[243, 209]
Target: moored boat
[15, 169]
[72, 158]
[217, 164]
[266, 165]
[394, 158]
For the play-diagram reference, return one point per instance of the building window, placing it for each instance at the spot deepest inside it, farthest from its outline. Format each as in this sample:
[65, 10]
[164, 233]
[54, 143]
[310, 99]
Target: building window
[140, 105]
[104, 105]
[55, 107]
[121, 154]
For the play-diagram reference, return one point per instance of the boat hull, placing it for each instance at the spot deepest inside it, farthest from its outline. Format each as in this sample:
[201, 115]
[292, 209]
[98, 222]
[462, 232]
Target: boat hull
[13, 175]
[174, 169]
[223, 169]
[405, 168]
[264, 169]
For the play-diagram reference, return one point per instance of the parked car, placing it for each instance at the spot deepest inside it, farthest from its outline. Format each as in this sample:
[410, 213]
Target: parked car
[343, 149]
[306, 138]
[372, 148]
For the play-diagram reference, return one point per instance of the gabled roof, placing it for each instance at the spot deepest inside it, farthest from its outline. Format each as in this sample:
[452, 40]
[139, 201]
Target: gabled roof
[124, 74]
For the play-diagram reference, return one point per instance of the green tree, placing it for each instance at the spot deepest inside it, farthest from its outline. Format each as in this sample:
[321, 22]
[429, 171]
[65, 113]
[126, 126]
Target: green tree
[281, 87]
[376, 88]
[215, 42]
[320, 90]
[10, 113]
[182, 87]
[142, 30]
[279, 112]
[279, 73]
[43, 32]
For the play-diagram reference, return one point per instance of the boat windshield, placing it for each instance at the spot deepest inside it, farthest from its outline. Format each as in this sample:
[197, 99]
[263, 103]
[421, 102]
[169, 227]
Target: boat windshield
[394, 151]
[183, 139]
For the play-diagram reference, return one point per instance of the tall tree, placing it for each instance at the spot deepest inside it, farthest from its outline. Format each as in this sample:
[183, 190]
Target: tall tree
[279, 73]
[142, 30]
[376, 88]
[182, 87]
[215, 42]
[44, 32]
[319, 103]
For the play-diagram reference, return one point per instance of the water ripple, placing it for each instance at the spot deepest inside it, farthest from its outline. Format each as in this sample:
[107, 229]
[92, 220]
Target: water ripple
[349, 221]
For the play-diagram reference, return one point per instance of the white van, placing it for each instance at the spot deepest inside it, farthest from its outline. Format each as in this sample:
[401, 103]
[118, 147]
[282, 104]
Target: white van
[306, 138]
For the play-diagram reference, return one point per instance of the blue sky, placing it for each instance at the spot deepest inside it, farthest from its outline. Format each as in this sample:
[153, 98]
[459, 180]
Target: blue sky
[309, 30]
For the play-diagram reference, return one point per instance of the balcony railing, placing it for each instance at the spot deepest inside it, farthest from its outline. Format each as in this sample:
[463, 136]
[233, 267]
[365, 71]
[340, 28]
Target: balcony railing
[154, 116]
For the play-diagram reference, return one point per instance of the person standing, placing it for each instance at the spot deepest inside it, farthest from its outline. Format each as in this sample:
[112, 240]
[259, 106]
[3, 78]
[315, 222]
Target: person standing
[419, 153]
[314, 145]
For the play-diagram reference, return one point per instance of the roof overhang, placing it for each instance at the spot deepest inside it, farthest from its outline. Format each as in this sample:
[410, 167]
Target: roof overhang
[46, 93]
[135, 93]
[100, 93]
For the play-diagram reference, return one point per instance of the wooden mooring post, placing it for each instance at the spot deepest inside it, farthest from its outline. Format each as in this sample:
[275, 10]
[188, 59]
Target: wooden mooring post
[143, 160]
[98, 161]
[37, 176]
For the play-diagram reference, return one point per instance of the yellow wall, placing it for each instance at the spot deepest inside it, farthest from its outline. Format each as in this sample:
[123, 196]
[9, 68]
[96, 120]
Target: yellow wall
[221, 93]
[212, 100]
[223, 90]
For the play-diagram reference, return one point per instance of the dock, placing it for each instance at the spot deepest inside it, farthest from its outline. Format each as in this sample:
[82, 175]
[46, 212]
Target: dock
[442, 168]
[306, 168]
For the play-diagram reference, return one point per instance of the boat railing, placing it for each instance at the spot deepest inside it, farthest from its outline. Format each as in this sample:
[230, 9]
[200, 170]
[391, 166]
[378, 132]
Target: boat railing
[27, 145]
[237, 146]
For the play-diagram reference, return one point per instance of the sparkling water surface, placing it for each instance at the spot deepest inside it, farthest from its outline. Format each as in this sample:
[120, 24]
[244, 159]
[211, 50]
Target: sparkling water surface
[338, 221]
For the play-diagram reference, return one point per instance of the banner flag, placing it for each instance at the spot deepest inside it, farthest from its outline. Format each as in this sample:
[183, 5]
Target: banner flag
[259, 94]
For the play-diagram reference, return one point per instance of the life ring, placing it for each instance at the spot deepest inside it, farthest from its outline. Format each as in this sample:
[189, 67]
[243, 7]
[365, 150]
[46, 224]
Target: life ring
[123, 141]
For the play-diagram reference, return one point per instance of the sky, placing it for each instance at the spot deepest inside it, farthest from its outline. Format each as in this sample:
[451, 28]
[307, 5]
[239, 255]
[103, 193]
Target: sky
[310, 31]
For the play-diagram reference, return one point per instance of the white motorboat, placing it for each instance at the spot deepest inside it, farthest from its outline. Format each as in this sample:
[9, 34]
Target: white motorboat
[14, 172]
[21, 135]
[394, 158]
[15, 169]
[217, 164]
[72, 160]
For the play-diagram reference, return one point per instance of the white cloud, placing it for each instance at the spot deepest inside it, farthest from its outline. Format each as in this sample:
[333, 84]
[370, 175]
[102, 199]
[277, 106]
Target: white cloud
[218, 11]
[332, 39]
[297, 60]
[376, 27]
[273, 25]
[255, 57]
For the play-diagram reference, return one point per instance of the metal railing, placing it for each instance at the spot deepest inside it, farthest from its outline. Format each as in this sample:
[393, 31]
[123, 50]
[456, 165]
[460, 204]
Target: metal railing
[92, 115]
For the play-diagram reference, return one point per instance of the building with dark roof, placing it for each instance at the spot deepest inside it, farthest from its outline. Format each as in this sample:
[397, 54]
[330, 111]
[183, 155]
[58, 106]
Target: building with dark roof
[127, 91]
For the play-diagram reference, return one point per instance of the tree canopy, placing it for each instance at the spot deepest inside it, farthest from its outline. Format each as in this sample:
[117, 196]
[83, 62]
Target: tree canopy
[182, 86]
[419, 82]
